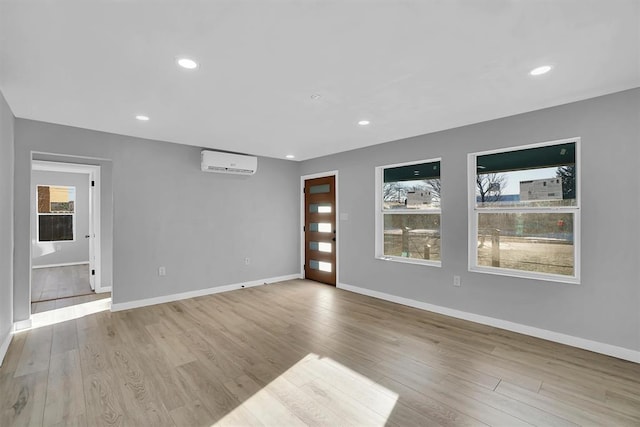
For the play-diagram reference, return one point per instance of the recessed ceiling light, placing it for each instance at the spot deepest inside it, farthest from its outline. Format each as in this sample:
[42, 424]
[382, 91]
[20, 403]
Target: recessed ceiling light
[540, 70]
[187, 63]
[316, 96]
[364, 122]
[290, 156]
[142, 118]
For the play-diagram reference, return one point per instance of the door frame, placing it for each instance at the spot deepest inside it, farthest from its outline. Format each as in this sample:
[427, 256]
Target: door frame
[303, 178]
[93, 172]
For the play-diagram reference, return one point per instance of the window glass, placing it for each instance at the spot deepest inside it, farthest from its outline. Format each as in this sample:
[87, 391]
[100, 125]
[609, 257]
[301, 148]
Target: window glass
[525, 212]
[56, 213]
[412, 236]
[409, 212]
[534, 177]
[539, 242]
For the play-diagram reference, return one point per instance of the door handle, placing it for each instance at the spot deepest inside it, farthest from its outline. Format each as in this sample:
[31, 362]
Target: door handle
[86, 236]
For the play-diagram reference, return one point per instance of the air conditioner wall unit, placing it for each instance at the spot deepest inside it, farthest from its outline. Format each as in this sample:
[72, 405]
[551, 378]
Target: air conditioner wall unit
[216, 161]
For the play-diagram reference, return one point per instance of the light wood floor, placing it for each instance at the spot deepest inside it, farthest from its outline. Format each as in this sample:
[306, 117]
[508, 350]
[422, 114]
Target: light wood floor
[301, 353]
[39, 307]
[51, 283]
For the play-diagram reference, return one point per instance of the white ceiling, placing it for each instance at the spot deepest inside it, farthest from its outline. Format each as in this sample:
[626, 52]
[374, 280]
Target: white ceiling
[410, 67]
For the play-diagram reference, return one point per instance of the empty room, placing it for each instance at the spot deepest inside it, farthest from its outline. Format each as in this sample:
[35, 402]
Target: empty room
[320, 213]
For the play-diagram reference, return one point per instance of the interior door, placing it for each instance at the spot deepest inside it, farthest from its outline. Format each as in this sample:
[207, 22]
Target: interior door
[320, 230]
[92, 233]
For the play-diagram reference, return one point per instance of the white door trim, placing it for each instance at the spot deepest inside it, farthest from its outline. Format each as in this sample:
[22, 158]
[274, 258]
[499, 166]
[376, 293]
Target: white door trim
[93, 172]
[303, 178]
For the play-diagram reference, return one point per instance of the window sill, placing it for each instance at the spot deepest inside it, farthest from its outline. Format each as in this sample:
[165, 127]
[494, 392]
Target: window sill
[410, 261]
[526, 274]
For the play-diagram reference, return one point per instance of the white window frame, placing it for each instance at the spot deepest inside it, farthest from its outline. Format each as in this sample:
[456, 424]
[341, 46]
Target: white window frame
[380, 212]
[474, 212]
[39, 214]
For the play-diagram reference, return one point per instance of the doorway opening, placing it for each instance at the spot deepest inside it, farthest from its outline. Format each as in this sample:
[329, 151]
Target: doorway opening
[319, 238]
[65, 235]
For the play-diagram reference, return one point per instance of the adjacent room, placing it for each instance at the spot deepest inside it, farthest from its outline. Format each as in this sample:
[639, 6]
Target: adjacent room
[319, 213]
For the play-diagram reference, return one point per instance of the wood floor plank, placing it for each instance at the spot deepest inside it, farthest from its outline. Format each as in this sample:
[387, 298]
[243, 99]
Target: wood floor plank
[104, 400]
[263, 404]
[564, 407]
[65, 337]
[79, 421]
[36, 352]
[23, 399]
[94, 357]
[138, 391]
[171, 345]
[14, 352]
[196, 415]
[342, 405]
[210, 387]
[429, 407]
[168, 386]
[513, 407]
[65, 394]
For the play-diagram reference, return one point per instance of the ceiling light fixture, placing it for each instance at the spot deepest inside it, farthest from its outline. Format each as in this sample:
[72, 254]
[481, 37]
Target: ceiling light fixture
[290, 156]
[187, 63]
[544, 69]
[364, 122]
[142, 118]
[316, 96]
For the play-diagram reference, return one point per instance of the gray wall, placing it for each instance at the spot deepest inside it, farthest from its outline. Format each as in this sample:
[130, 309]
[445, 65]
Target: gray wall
[6, 219]
[77, 251]
[199, 225]
[605, 307]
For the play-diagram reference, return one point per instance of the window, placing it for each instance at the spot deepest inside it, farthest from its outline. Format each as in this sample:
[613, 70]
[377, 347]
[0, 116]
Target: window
[408, 212]
[525, 211]
[56, 213]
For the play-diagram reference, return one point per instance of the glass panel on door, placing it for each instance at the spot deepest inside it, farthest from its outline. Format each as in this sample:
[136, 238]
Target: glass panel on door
[320, 208]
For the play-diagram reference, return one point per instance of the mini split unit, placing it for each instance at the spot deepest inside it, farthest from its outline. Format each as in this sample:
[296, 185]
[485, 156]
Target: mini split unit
[216, 161]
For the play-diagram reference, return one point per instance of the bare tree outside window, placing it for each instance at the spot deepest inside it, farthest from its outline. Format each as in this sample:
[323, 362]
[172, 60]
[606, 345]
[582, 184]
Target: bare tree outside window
[435, 186]
[394, 192]
[568, 175]
[490, 187]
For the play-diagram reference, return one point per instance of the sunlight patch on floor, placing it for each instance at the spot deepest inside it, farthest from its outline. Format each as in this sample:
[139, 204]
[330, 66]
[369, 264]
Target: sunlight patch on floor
[316, 390]
[59, 315]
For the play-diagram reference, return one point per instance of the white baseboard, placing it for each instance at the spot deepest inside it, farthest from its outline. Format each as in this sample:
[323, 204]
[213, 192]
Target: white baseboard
[595, 346]
[21, 325]
[200, 292]
[103, 289]
[5, 346]
[63, 264]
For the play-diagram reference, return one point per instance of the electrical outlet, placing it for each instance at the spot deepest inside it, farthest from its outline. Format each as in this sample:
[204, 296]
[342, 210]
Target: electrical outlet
[162, 271]
[247, 261]
[456, 280]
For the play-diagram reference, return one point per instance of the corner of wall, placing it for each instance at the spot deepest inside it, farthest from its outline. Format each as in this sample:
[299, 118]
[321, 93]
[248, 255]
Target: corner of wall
[7, 147]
